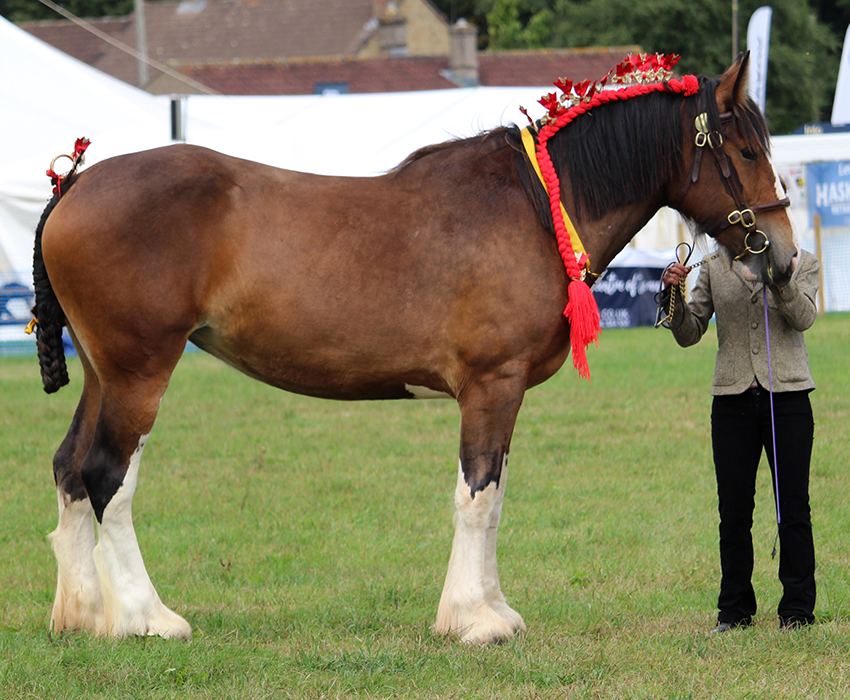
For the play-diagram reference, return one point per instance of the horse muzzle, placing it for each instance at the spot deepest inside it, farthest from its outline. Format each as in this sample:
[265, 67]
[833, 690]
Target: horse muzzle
[764, 260]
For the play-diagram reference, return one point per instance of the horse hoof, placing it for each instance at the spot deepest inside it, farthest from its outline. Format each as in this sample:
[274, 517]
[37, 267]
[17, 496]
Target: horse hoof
[161, 622]
[486, 626]
[78, 613]
[169, 625]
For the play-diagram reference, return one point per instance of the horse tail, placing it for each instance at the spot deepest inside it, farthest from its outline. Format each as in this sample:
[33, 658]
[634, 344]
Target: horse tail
[48, 311]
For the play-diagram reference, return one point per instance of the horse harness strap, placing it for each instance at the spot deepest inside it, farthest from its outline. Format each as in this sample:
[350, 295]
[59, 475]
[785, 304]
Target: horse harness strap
[744, 215]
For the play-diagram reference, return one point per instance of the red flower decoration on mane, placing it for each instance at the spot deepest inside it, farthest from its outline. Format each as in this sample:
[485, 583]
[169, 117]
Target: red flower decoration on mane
[565, 85]
[551, 104]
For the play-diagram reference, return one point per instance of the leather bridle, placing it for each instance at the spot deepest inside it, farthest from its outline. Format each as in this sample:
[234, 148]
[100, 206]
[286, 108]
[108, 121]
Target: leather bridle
[743, 215]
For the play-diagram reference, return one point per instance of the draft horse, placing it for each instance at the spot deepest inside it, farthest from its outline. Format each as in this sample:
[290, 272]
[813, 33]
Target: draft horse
[439, 278]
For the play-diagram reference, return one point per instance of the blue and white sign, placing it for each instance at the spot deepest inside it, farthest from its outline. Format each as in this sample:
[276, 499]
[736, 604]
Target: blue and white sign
[828, 190]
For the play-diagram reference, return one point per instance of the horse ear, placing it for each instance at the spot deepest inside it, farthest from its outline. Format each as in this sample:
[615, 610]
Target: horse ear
[732, 90]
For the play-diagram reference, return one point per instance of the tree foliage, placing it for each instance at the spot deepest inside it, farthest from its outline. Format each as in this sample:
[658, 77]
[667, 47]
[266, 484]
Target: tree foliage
[804, 49]
[24, 10]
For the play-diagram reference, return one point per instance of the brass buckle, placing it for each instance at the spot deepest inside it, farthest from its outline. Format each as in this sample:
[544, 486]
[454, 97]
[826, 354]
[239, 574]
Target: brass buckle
[746, 218]
[714, 139]
[701, 125]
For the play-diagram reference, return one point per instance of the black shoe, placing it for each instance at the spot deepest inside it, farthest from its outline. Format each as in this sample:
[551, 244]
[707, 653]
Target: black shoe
[790, 624]
[728, 626]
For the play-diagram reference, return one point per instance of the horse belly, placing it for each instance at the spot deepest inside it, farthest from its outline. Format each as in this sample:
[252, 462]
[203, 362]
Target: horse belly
[329, 369]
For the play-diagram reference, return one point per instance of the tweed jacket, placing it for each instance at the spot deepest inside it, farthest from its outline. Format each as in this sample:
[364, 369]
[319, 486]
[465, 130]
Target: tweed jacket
[739, 306]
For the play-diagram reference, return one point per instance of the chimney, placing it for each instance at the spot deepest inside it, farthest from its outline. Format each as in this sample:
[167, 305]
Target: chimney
[392, 32]
[463, 53]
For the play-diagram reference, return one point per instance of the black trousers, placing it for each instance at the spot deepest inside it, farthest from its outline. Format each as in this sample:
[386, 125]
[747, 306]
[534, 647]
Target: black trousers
[740, 430]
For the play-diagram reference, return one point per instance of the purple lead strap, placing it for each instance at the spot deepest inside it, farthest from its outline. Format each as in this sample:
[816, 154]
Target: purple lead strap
[772, 418]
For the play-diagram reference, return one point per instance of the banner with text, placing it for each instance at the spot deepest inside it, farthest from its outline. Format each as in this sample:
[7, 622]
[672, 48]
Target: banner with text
[828, 193]
[626, 292]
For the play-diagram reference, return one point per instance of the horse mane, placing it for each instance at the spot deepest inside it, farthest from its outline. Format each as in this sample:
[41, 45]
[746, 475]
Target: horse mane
[615, 154]
[623, 151]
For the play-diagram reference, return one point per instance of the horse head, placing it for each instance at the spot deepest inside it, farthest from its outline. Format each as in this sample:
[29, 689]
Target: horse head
[734, 193]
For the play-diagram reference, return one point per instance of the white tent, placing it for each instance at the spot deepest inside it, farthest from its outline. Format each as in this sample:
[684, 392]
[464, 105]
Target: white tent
[363, 134]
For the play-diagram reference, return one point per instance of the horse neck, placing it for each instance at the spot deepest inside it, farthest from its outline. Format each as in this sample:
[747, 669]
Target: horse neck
[604, 238]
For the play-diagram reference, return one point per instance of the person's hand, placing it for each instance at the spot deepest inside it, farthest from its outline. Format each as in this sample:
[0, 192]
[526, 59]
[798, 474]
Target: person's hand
[674, 274]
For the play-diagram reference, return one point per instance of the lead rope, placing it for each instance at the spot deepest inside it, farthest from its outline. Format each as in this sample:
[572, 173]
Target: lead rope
[660, 318]
[772, 425]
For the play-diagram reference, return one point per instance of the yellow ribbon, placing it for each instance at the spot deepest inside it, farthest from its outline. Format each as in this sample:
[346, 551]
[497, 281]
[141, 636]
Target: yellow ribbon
[30, 326]
[575, 241]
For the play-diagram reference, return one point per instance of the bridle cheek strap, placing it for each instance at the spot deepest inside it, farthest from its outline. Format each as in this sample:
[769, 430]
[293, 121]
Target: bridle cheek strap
[744, 215]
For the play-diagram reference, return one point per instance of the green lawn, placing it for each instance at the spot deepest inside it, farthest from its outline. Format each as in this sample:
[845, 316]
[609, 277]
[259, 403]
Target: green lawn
[306, 541]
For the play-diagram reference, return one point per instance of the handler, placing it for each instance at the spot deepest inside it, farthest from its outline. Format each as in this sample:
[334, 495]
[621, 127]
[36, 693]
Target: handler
[741, 422]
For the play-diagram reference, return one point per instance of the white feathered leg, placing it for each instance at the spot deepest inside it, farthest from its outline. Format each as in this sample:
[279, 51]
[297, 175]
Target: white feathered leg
[472, 605]
[78, 604]
[131, 604]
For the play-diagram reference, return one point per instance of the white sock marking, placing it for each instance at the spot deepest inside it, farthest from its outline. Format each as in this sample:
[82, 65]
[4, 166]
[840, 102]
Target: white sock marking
[131, 603]
[78, 603]
[472, 604]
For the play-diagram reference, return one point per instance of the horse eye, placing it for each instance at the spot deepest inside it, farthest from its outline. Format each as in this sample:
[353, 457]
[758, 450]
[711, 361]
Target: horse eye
[747, 154]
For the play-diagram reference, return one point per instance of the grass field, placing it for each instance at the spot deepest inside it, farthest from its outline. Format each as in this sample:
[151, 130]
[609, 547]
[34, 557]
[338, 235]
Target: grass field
[306, 542]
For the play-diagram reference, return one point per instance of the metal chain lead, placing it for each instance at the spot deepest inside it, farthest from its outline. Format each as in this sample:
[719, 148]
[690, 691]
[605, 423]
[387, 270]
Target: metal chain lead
[682, 287]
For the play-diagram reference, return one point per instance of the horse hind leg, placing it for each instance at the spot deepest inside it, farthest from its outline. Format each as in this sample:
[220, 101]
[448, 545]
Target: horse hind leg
[472, 605]
[78, 604]
[110, 472]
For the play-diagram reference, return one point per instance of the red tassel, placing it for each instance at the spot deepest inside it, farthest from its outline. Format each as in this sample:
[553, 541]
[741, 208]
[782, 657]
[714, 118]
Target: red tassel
[583, 315]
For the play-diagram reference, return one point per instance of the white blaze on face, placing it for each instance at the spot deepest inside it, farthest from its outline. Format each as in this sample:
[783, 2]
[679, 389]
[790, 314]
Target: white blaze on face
[780, 188]
[782, 193]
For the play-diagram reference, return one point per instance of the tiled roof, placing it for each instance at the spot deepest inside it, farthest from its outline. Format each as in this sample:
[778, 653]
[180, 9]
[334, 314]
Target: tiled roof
[301, 77]
[510, 68]
[287, 47]
[194, 30]
[516, 68]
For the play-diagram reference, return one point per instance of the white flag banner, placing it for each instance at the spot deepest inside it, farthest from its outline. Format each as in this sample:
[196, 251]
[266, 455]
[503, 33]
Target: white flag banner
[841, 105]
[758, 44]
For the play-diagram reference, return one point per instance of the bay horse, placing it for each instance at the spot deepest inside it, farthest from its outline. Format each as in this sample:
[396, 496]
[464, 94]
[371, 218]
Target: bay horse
[441, 277]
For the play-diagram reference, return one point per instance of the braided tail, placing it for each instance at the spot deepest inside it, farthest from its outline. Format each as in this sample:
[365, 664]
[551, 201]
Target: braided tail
[48, 311]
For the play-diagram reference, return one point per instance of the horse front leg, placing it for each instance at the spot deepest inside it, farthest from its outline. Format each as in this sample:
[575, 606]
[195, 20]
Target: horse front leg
[472, 605]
